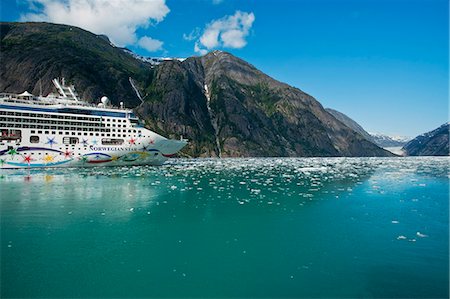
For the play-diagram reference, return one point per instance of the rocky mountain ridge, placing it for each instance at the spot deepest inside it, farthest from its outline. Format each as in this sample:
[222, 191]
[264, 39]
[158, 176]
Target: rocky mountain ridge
[382, 140]
[433, 143]
[222, 104]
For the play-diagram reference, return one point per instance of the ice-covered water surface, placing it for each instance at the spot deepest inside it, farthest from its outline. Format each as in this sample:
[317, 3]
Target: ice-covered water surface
[313, 227]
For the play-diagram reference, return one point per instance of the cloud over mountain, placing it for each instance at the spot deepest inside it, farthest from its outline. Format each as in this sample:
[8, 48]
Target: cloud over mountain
[227, 32]
[118, 19]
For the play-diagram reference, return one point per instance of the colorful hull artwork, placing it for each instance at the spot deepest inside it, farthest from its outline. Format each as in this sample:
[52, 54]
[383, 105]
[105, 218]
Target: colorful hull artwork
[62, 130]
[31, 157]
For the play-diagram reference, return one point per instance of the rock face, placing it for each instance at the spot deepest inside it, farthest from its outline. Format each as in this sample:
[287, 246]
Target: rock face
[232, 109]
[222, 104]
[433, 143]
[32, 54]
[379, 139]
[350, 123]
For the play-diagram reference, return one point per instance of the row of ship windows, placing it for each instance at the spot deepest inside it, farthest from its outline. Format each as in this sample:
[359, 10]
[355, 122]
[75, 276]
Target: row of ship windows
[54, 116]
[78, 154]
[75, 140]
[57, 116]
[54, 122]
[79, 133]
[27, 126]
[17, 135]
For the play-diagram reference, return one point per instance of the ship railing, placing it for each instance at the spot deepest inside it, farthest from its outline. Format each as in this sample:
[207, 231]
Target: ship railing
[47, 101]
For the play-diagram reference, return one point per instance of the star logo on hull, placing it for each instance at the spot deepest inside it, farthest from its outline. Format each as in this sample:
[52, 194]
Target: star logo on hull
[27, 159]
[67, 154]
[51, 141]
[12, 152]
[48, 158]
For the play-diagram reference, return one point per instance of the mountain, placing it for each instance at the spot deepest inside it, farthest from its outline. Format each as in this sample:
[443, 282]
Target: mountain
[32, 54]
[433, 143]
[350, 123]
[381, 140]
[222, 104]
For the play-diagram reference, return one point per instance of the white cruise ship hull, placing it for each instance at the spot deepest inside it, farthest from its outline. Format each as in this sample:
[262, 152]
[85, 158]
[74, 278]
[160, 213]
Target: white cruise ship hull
[63, 131]
[91, 156]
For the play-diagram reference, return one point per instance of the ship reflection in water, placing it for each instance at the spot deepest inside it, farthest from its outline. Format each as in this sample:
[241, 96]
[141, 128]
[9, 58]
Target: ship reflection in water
[313, 227]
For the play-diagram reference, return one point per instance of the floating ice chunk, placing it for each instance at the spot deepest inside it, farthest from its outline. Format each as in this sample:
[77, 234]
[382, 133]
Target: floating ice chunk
[173, 187]
[401, 238]
[394, 221]
[256, 191]
[420, 235]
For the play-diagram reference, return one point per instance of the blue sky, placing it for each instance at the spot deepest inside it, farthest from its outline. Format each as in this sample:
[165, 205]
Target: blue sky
[383, 63]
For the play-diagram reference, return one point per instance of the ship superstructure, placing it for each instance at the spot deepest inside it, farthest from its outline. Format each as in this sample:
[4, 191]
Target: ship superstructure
[60, 130]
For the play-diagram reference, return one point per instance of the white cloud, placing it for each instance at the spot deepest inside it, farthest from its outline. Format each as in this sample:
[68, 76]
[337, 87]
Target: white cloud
[150, 44]
[199, 50]
[228, 32]
[118, 19]
[193, 35]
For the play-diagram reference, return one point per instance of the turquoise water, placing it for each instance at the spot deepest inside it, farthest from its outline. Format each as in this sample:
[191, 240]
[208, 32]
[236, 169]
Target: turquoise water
[273, 228]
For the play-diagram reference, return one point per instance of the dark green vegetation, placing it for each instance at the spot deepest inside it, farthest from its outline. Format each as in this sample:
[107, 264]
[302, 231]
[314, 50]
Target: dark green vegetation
[219, 102]
[250, 114]
[40, 51]
[434, 143]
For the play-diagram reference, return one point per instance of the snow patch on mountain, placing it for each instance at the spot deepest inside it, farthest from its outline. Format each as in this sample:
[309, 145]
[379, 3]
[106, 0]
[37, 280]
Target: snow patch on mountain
[384, 140]
[152, 60]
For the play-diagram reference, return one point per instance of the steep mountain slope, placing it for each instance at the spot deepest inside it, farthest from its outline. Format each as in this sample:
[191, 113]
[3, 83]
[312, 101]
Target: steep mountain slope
[349, 123]
[249, 113]
[225, 106]
[381, 140]
[32, 54]
[433, 143]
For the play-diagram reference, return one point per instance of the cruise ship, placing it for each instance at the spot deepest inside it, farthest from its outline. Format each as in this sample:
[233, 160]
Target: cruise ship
[61, 130]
